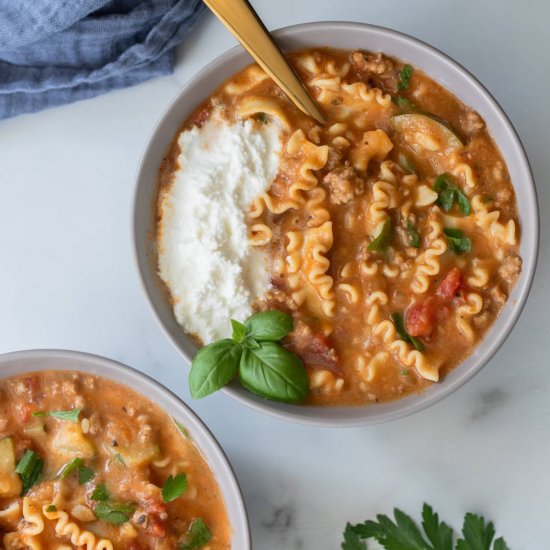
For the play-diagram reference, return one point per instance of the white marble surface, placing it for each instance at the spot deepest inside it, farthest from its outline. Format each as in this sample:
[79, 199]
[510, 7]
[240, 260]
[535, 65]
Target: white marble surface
[67, 280]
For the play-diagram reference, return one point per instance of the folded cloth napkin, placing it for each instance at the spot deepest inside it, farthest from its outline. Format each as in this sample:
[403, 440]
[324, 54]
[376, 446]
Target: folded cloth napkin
[59, 51]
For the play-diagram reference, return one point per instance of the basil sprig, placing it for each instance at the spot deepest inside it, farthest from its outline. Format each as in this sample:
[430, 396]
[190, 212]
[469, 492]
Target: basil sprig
[29, 469]
[459, 243]
[265, 367]
[448, 192]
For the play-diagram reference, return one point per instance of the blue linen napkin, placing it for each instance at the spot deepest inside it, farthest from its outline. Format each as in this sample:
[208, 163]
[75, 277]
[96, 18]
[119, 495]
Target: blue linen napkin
[60, 51]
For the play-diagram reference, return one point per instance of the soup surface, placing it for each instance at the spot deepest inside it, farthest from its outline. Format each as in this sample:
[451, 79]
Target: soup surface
[89, 464]
[390, 233]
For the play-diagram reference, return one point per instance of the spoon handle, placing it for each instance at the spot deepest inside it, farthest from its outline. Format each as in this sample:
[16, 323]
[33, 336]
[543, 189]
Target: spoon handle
[243, 22]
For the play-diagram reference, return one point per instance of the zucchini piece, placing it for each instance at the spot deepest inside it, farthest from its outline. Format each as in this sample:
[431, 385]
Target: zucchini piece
[135, 456]
[36, 429]
[69, 442]
[10, 483]
[425, 132]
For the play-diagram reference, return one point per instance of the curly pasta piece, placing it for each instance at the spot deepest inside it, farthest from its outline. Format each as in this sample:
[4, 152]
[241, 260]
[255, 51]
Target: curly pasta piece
[488, 221]
[480, 274]
[373, 303]
[247, 80]
[253, 105]
[260, 234]
[324, 381]
[404, 352]
[472, 306]
[316, 207]
[383, 197]
[307, 267]
[34, 524]
[79, 537]
[464, 171]
[351, 291]
[12, 513]
[368, 95]
[375, 144]
[427, 265]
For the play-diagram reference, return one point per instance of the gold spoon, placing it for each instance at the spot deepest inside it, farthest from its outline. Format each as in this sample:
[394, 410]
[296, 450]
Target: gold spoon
[243, 22]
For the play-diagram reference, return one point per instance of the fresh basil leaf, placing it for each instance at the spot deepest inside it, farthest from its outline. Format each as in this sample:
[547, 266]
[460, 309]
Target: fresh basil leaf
[404, 103]
[275, 373]
[100, 493]
[399, 323]
[270, 325]
[71, 466]
[116, 513]
[383, 239]
[174, 487]
[214, 366]
[239, 331]
[352, 541]
[85, 474]
[405, 77]
[71, 416]
[198, 535]
[463, 202]
[459, 243]
[413, 234]
[250, 342]
[29, 468]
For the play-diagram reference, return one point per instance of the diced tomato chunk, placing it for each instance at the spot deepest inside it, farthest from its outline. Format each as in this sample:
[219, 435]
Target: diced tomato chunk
[156, 527]
[451, 284]
[421, 316]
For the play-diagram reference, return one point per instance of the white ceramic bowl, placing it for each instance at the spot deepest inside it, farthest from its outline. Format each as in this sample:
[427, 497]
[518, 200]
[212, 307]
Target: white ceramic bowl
[439, 67]
[21, 362]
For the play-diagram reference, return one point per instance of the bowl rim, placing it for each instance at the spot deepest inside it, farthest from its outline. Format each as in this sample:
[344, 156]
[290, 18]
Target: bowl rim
[85, 362]
[424, 400]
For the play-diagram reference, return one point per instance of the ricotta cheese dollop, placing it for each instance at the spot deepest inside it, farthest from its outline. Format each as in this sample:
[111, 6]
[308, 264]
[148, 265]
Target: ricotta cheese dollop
[205, 258]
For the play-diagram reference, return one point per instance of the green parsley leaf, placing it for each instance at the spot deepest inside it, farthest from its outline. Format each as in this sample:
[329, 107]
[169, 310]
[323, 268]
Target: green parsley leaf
[459, 243]
[404, 104]
[71, 416]
[85, 474]
[438, 533]
[352, 541]
[100, 493]
[383, 239]
[405, 77]
[270, 326]
[198, 535]
[239, 331]
[51, 508]
[448, 191]
[116, 513]
[174, 487]
[399, 323]
[413, 234]
[214, 366]
[477, 535]
[29, 469]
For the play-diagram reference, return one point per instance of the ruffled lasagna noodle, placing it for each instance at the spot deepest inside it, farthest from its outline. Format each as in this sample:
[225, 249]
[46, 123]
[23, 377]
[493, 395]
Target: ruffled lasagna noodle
[390, 285]
[100, 471]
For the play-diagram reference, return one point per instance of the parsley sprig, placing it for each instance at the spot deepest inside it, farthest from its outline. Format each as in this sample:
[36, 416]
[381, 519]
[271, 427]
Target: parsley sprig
[198, 535]
[405, 77]
[448, 192]
[29, 468]
[402, 533]
[265, 367]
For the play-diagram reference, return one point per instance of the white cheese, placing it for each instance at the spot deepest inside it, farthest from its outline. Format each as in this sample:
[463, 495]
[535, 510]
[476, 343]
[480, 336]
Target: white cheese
[205, 258]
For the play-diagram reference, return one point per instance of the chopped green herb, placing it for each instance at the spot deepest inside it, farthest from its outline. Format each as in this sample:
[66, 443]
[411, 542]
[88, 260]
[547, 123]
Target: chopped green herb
[29, 469]
[402, 533]
[183, 430]
[51, 508]
[197, 536]
[404, 103]
[119, 459]
[71, 466]
[399, 323]
[413, 234]
[383, 240]
[486, 198]
[100, 493]
[71, 416]
[448, 191]
[459, 243]
[405, 77]
[85, 474]
[263, 118]
[116, 513]
[404, 372]
[174, 487]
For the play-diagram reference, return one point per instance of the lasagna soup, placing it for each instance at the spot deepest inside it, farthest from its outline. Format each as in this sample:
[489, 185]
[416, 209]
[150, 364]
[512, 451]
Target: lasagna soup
[88, 464]
[390, 233]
